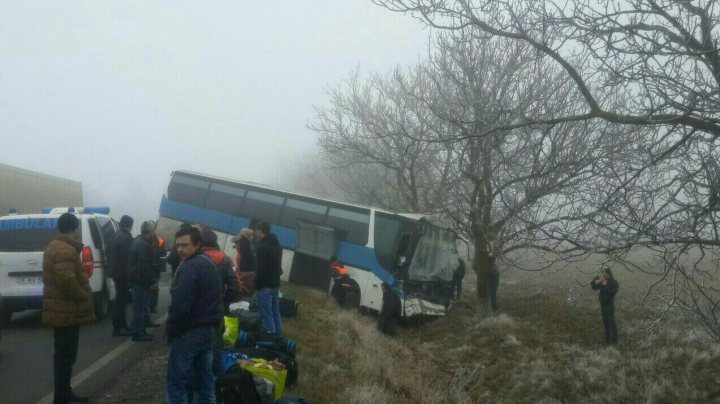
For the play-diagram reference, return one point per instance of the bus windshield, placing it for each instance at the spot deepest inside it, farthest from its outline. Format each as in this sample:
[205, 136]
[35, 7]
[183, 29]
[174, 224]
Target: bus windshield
[435, 256]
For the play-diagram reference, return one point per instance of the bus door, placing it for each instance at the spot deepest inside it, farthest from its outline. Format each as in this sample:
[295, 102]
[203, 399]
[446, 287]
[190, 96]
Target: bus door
[315, 245]
[372, 296]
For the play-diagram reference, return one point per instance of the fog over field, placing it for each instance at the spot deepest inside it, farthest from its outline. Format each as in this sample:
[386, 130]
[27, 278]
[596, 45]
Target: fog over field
[117, 95]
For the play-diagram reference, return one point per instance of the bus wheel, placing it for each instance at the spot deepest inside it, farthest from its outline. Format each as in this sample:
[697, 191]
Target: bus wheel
[352, 299]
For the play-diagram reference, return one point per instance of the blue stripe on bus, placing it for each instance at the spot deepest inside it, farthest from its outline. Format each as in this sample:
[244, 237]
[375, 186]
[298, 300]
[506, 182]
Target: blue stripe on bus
[352, 254]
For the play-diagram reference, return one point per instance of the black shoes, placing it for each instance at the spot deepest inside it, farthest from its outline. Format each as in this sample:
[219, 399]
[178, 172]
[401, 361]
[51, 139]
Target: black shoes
[121, 333]
[142, 338]
[79, 400]
[74, 399]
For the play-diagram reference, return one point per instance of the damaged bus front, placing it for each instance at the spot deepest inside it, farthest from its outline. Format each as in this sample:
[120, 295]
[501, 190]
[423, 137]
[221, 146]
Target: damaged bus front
[427, 260]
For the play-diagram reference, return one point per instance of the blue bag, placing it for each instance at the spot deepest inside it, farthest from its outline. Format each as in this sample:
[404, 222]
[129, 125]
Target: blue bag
[230, 358]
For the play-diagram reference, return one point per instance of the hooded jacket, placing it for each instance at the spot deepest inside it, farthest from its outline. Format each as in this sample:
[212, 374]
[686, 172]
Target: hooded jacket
[269, 263]
[67, 296]
[229, 284]
[196, 296]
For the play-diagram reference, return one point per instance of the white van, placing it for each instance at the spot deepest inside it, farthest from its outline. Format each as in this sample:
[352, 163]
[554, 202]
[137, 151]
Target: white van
[24, 238]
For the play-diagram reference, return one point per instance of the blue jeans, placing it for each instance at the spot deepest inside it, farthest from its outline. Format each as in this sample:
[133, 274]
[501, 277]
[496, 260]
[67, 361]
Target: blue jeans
[141, 315]
[269, 305]
[217, 366]
[191, 355]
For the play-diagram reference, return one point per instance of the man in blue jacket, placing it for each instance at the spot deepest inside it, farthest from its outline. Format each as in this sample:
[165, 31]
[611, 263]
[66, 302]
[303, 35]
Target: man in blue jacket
[267, 279]
[194, 318]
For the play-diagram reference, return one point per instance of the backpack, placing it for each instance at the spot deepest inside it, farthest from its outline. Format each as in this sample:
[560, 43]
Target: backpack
[237, 386]
[288, 307]
[269, 355]
[249, 321]
[265, 390]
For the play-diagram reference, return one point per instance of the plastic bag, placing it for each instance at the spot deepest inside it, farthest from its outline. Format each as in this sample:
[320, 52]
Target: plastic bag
[266, 371]
[231, 331]
[240, 306]
[230, 358]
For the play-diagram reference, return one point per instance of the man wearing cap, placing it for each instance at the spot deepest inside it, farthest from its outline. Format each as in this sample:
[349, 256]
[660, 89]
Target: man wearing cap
[229, 287]
[67, 303]
[118, 255]
[141, 277]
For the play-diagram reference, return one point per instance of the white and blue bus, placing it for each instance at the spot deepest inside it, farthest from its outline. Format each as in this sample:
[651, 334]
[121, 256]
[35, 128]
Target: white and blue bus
[414, 256]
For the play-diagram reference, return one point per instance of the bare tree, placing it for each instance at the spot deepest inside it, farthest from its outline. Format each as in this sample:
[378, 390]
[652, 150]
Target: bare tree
[503, 190]
[661, 60]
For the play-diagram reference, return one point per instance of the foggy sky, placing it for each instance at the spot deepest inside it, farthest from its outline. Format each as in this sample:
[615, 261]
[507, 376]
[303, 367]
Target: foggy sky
[117, 95]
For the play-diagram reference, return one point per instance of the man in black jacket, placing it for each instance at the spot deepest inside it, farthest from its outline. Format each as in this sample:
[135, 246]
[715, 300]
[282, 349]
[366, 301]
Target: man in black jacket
[608, 289]
[267, 279]
[194, 318]
[390, 311]
[142, 264]
[229, 287]
[118, 255]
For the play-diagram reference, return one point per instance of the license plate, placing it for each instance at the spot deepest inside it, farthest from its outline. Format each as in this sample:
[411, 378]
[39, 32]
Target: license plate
[30, 280]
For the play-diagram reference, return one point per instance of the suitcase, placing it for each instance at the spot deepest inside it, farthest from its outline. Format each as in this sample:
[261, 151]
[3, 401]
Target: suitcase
[249, 321]
[288, 307]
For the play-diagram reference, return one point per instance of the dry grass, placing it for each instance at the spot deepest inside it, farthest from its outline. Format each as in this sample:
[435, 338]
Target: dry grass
[542, 348]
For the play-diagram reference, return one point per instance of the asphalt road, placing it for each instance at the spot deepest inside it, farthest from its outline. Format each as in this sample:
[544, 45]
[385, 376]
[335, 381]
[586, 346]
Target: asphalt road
[26, 353]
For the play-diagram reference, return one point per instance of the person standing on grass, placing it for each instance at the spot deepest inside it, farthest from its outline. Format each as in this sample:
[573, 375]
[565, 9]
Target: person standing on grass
[67, 303]
[390, 311]
[194, 319]
[141, 277]
[608, 288]
[118, 256]
[267, 279]
[494, 283]
[458, 277]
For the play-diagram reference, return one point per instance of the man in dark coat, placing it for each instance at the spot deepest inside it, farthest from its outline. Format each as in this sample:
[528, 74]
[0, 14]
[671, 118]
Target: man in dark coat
[118, 255]
[458, 277]
[608, 288]
[67, 303]
[390, 311]
[194, 319]
[229, 287]
[141, 277]
[267, 279]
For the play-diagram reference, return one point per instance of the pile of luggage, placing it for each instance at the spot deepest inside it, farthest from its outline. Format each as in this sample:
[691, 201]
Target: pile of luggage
[258, 365]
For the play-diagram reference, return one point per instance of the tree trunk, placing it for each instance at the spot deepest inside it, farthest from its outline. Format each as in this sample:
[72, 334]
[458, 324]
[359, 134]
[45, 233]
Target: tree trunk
[481, 266]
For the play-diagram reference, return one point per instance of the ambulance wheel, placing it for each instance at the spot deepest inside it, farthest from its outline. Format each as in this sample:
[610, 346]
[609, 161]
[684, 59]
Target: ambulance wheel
[102, 304]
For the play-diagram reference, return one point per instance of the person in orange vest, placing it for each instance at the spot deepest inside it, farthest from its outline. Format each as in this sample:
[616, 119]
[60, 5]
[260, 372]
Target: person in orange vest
[341, 276]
